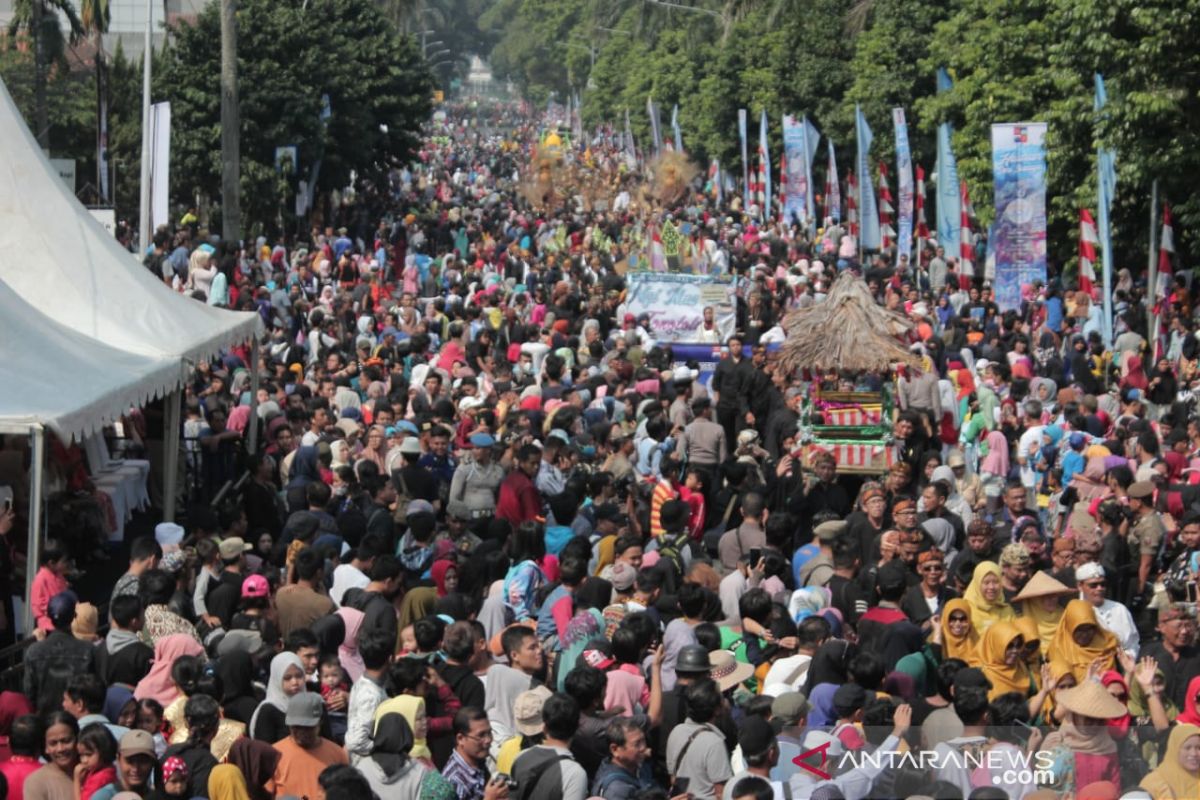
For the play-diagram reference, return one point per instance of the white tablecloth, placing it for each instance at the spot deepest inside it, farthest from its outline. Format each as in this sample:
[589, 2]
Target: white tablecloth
[125, 484]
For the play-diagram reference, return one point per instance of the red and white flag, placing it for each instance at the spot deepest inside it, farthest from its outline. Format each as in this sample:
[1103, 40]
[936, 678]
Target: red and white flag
[1088, 241]
[887, 234]
[852, 203]
[966, 248]
[1166, 249]
[922, 226]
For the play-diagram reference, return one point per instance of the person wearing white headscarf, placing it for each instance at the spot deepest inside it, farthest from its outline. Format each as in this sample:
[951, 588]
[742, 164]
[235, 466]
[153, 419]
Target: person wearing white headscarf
[287, 678]
[955, 503]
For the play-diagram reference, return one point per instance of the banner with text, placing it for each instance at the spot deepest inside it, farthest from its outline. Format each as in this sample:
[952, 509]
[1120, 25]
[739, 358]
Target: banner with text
[904, 186]
[795, 181]
[1019, 233]
[676, 302]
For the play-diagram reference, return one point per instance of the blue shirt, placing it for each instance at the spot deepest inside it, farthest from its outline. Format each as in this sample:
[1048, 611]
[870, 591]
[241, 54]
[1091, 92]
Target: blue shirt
[802, 557]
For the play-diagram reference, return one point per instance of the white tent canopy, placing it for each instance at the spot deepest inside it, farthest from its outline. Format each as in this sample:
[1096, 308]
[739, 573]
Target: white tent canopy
[63, 262]
[68, 382]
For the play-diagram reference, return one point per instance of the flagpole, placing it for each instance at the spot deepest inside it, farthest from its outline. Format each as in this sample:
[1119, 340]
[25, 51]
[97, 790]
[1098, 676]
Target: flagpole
[145, 234]
[1152, 287]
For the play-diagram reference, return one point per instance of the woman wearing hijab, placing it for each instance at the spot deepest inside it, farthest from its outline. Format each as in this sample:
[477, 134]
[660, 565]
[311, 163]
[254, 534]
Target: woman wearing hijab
[445, 576]
[352, 620]
[985, 594]
[1002, 661]
[412, 708]
[1040, 601]
[959, 638]
[1080, 640]
[377, 448]
[588, 623]
[158, 684]
[286, 679]
[238, 699]
[305, 469]
[1178, 776]
[226, 782]
[822, 712]
[993, 469]
[256, 761]
[393, 772]
[1082, 749]
[330, 631]
[829, 664]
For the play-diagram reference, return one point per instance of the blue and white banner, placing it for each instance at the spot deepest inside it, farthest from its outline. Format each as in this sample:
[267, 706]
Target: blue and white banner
[833, 189]
[797, 189]
[1019, 233]
[675, 128]
[1106, 178]
[949, 198]
[904, 187]
[868, 211]
[812, 139]
[745, 159]
[676, 303]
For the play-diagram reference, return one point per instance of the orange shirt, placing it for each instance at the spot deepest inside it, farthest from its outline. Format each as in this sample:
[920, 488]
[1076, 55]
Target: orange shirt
[299, 769]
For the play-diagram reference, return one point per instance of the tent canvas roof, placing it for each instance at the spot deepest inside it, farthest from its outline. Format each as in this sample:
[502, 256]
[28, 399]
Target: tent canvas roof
[63, 262]
[69, 382]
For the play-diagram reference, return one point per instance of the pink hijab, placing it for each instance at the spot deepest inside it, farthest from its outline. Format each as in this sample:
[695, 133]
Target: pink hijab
[996, 461]
[157, 685]
[348, 650]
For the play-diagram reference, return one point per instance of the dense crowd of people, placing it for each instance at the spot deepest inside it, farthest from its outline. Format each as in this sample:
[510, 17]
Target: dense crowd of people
[499, 542]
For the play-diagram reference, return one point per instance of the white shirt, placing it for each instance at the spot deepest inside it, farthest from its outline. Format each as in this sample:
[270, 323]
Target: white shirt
[345, 578]
[791, 672]
[1025, 446]
[1117, 619]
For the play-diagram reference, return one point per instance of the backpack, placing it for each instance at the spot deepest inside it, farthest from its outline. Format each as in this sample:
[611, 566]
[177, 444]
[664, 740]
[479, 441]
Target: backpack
[530, 769]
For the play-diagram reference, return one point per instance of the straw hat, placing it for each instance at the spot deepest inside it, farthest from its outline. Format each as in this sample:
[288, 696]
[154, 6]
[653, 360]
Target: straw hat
[1042, 585]
[1090, 699]
[727, 670]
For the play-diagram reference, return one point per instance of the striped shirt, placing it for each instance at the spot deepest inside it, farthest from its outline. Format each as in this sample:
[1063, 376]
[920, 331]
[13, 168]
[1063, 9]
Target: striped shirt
[468, 782]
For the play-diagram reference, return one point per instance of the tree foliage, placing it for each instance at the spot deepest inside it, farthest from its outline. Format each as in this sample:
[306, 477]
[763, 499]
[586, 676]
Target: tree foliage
[289, 59]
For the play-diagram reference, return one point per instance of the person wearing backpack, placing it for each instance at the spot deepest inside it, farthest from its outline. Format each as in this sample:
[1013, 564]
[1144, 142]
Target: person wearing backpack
[548, 771]
[627, 770]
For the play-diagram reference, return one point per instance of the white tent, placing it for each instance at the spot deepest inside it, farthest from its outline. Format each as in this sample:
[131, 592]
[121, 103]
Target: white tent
[65, 381]
[63, 262]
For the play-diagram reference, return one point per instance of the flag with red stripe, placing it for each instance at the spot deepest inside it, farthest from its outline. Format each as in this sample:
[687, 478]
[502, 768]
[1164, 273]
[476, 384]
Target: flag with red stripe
[1088, 240]
[966, 248]
[852, 203]
[922, 226]
[1166, 249]
[887, 234]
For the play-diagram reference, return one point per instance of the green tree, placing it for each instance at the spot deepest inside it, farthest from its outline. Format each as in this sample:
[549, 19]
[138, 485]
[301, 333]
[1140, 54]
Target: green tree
[289, 58]
[38, 21]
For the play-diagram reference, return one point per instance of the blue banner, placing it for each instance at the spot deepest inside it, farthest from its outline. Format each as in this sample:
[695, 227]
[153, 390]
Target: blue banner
[765, 156]
[904, 187]
[745, 159]
[1106, 169]
[868, 212]
[812, 138]
[1019, 233]
[949, 198]
[797, 190]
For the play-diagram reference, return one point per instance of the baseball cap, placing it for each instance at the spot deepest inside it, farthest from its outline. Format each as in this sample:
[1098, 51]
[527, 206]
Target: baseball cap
[527, 711]
[1141, 490]
[232, 547]
[755, 736]
[137, 742]
[788, 707]
[255, 586]
[828, 531]
[598, 659]
[482, 440]
[61, 608]
[815, 739]
[304, 710]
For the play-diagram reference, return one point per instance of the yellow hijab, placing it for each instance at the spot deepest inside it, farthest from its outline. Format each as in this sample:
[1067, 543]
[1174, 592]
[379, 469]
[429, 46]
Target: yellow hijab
[964, 647]
[1103, 645]
[1171, 781]
[991, 655]
[1046, 622]
[226, 782]
[408, 706]
[1029, 630]
[984, 613]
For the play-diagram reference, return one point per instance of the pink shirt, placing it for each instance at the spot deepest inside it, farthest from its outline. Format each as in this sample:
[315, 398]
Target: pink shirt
[627, 689]
[46, 584]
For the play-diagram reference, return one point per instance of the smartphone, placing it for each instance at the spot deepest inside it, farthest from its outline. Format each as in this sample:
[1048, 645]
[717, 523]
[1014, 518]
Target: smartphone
[755, 555]
[680, 786]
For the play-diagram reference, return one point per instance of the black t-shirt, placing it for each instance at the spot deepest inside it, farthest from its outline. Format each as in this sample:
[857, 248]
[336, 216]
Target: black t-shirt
[223, 598]
[848, 597]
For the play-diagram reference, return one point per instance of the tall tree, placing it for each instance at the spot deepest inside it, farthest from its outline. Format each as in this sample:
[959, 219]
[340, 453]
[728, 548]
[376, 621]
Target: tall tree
[31, 19]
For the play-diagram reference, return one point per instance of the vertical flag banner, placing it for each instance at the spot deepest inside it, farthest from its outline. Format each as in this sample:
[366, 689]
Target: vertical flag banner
[102, 132]
[922, 226]
[655, 128]
[630, 147]
[868, 213]
[675, 128]
[765, 160]
[714, 181]
[1166, 249]
[160, 164]
[852, 204]
[949, 210]
[812, 138]
[887, 234]
[794, 178]
[1087, 250]
[1106, 168]
[745, 158]
[1019, 172]
[833, 190]
[965, 247]
[904, 187]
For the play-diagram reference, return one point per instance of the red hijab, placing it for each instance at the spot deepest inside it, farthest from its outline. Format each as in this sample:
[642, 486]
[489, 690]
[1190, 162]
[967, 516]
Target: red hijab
[1117, 728]
[438, 572]
[1190, 715]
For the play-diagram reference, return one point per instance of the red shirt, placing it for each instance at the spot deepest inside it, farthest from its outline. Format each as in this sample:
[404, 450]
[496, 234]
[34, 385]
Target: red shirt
[519, 499]
[16, 769]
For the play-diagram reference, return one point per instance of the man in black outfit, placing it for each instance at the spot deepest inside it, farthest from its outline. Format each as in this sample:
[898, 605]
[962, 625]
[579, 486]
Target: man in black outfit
[729, 386]
[52, 662]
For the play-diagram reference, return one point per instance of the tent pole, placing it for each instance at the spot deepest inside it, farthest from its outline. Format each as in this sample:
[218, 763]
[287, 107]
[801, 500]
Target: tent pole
[252, 445]
[171, 451]
[36, 488]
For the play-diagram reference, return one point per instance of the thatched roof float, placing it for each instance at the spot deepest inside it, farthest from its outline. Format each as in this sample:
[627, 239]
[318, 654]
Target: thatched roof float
[848, 331]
